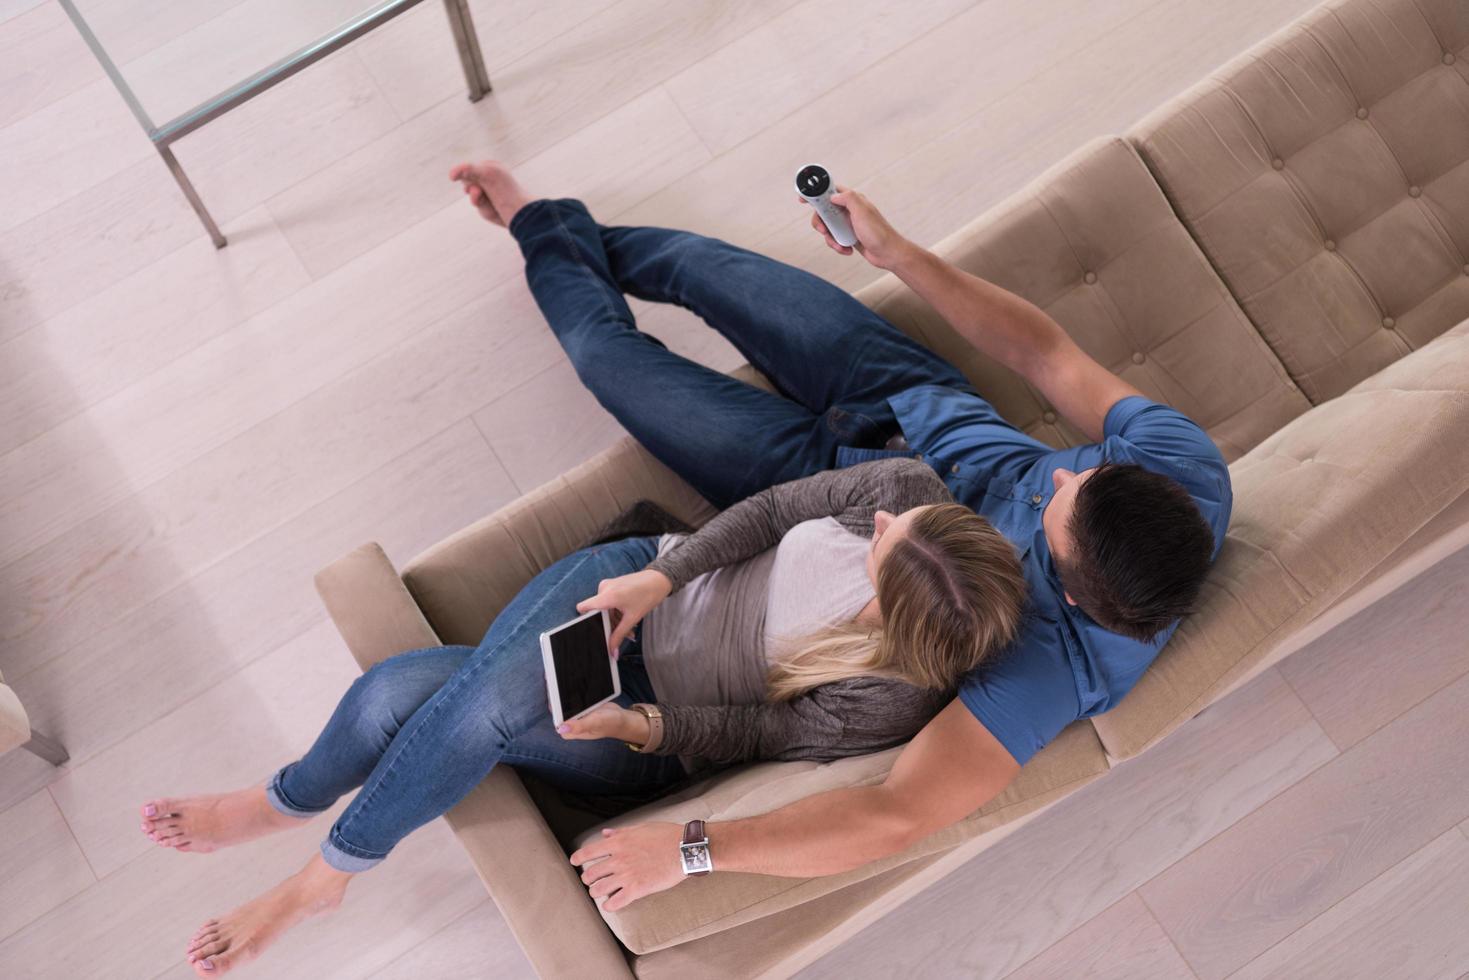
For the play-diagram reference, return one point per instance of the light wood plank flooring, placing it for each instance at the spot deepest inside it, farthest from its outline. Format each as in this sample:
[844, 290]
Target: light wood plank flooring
[187, 435]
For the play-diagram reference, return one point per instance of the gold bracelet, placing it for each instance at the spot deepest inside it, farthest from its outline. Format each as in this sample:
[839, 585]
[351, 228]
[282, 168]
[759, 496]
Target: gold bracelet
[655, 728]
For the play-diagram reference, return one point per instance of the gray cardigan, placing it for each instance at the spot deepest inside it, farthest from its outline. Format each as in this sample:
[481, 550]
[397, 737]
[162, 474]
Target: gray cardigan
[850, 717]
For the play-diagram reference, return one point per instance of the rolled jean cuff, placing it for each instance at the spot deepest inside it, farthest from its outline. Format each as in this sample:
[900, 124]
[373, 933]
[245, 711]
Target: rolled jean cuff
[279, 802]
[531, 216]
[344, 857]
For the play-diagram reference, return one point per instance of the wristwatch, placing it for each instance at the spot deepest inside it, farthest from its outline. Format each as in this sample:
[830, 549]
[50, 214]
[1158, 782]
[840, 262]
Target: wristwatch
[655, 727]
[694, 851]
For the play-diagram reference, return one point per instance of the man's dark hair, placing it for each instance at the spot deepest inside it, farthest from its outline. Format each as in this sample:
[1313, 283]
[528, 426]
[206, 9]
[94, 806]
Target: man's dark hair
[1139, 552]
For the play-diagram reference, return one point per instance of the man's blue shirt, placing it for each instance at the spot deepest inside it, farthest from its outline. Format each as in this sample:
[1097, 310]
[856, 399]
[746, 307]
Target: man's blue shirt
[1062, 666]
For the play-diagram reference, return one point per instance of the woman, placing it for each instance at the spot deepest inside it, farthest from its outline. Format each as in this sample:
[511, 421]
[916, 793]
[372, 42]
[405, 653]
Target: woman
[807, 622]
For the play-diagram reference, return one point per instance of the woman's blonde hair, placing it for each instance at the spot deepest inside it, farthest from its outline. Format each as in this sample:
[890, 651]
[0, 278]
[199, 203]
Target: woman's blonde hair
[951, 594]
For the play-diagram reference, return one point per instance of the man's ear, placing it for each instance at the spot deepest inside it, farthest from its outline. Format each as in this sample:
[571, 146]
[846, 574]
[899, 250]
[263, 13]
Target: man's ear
[1069, 599]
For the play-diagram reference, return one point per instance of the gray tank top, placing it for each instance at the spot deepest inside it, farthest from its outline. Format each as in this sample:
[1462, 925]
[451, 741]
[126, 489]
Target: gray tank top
[712, 641]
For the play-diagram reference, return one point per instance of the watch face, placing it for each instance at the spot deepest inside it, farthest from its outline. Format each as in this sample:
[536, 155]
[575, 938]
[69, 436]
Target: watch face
[695, 858]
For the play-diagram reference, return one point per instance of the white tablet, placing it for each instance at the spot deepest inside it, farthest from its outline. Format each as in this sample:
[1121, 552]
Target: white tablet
[580, 671]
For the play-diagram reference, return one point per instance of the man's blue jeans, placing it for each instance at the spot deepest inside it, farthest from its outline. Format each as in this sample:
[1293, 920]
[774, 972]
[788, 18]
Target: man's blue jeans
[833, 361]
[418, 731]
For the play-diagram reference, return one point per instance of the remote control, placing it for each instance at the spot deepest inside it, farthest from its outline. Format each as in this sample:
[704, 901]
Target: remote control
[815, 185]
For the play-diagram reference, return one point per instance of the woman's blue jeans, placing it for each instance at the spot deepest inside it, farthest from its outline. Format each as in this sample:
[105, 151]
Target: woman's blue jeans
[418, 731]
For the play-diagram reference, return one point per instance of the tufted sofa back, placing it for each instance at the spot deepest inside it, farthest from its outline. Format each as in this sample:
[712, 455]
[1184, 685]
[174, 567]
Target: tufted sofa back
[1094, 243]
[1325, 174]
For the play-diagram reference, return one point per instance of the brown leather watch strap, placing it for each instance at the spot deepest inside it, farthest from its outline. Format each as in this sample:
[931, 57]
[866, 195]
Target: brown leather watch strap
[694, 832]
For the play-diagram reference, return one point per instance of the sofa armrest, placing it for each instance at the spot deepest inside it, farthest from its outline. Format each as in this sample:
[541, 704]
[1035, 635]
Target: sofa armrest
[370, 606]
[536, 888]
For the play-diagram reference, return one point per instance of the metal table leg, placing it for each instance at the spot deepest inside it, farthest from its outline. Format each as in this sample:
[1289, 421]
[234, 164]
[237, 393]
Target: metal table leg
[460, 22]
[191, 194]
[467, 42]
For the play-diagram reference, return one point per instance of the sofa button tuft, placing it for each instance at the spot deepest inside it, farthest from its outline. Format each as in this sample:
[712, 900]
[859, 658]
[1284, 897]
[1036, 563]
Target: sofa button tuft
[1415, 191]
[1138, 358]
[1278, 163]
[1448, 57]
[1388, 322]
[1361, 112]
[1089, 278]
[1050, 418]
[1329, 245]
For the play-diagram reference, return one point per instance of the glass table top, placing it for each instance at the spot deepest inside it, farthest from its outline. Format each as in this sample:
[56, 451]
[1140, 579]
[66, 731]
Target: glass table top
[174, 60]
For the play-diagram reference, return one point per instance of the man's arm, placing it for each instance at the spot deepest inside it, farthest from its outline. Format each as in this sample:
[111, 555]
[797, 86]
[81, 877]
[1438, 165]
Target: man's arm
[999, 323]
[950, 769]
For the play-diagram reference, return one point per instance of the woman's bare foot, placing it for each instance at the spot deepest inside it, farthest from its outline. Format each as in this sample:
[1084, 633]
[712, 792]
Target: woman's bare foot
[491, 188]
[222, 944]
[207, 823]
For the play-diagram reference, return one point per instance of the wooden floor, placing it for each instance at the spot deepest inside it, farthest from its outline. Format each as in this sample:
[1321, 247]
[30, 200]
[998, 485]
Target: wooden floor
[187, 435]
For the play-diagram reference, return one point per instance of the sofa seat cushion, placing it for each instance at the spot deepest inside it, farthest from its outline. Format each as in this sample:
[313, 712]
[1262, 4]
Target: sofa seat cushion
[1094, 243]
[1325, 174]
[702, 906]
[1317, 506]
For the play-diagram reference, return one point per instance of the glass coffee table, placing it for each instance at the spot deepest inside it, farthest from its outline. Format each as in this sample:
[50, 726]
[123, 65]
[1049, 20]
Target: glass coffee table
[181, 63]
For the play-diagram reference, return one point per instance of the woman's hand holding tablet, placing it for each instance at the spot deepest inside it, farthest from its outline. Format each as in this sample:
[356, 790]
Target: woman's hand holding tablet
[609, 721]
[628, 598]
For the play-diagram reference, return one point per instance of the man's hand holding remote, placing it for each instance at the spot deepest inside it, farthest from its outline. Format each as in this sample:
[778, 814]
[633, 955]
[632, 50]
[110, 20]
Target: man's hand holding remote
[877, 241]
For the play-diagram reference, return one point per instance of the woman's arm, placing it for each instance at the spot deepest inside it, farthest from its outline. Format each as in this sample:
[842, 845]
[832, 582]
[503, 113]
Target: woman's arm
[851, 717]
[757, 523]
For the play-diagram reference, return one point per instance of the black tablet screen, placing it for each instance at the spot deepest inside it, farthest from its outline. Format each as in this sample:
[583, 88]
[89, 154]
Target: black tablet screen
[583, 668]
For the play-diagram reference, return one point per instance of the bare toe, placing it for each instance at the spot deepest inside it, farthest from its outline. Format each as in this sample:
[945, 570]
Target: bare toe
[207, 823]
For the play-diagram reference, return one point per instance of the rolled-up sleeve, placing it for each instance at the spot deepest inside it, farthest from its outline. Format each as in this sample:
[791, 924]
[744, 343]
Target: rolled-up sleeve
[1025, 698]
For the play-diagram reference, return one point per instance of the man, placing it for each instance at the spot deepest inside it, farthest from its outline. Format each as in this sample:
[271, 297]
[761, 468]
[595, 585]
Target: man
[1115, 536]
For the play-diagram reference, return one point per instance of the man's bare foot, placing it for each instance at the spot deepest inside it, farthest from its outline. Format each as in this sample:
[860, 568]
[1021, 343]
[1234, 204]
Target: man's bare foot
[222, 944]
[207, 823]
[491, 188]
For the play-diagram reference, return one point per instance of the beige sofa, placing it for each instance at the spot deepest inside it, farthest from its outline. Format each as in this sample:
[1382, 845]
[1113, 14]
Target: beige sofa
[1282, 252]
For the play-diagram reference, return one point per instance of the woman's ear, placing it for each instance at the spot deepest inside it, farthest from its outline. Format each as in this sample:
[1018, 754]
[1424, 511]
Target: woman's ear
[880, 520]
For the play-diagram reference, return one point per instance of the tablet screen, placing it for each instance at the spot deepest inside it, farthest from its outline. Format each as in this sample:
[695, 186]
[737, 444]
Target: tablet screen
[583, 668]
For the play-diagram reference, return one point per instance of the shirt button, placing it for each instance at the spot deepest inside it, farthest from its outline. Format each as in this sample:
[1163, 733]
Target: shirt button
[1388, 322]
[1090, 278]
[1278, 163]
[954, 468]
[1138, 358]
[1361, 112]
[1050, 418]
[1036, 499]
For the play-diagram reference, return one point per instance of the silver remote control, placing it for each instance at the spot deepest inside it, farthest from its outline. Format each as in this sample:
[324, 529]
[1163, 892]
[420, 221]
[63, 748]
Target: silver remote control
[815, 185]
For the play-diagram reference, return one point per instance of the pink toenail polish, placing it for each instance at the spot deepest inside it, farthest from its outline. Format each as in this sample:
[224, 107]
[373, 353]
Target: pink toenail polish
[149, 810]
